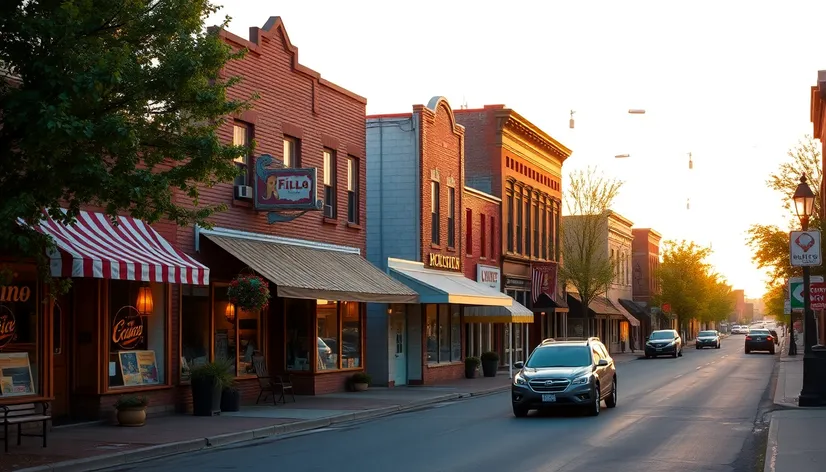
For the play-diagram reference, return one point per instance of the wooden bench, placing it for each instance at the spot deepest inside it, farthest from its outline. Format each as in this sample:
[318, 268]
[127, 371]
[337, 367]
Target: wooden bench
[22, 413]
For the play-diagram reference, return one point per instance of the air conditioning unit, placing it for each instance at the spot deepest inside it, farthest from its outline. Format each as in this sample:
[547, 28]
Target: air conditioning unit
[328, 211]
[243, 191]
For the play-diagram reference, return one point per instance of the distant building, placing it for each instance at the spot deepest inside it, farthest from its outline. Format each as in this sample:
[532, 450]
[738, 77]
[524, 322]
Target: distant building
[739, 306]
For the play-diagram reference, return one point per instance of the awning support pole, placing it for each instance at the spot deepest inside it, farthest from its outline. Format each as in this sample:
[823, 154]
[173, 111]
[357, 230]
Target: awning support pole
[510, 350]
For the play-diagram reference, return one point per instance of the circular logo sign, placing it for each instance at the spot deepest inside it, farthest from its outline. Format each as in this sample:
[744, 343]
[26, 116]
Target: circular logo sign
[127, 328]
[7, 326]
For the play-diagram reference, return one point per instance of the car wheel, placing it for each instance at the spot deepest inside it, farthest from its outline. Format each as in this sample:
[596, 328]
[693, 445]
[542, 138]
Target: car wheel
[675, 354]
[748, 351]
[611, 401]
[593, 408]
[680, 352]
[718, 346]
[519, 411]
[698, 348]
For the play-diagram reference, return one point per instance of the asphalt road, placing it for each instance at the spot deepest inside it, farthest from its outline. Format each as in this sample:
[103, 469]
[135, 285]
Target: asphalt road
[695, 413]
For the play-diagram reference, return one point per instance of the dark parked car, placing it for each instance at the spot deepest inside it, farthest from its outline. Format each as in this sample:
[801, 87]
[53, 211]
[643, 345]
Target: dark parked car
[774, 335]
[708, 339]
[565, 373]
[759, 340]
[664, 342]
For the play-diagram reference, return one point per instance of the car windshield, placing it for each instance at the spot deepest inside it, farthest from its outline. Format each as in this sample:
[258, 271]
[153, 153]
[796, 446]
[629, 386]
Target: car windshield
[560, 356]
[662, 335]
[763, 332]
[708, 333]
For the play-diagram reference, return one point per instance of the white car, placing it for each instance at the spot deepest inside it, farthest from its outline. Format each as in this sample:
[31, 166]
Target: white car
[739, 329]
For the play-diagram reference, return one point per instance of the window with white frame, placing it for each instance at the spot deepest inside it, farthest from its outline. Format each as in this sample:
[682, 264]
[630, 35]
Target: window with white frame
[329, 183]
[352, 190]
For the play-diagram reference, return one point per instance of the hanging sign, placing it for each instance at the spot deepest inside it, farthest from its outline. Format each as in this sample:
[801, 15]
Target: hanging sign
[128, 329]
[8, 326]
[283, 188]
[804, 248]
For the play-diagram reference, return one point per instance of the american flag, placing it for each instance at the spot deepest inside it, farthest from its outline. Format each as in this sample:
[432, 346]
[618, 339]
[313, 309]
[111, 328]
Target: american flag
[543, 280]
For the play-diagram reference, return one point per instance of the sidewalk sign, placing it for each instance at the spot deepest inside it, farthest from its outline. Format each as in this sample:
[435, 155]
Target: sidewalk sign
[796, 291]
[804, 249]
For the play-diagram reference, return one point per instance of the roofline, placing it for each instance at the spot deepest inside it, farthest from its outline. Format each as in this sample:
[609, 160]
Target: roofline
[483, 195]
[273, 26]
[650, 231]
[612, 213]
[563, 150]
[388, 115]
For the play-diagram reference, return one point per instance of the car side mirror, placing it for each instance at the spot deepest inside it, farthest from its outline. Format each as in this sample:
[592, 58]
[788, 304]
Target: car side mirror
[518, 365]
[602, 363]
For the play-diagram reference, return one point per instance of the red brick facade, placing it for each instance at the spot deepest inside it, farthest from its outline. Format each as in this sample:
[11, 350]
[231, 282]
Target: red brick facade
[645, 260]
[482, 230]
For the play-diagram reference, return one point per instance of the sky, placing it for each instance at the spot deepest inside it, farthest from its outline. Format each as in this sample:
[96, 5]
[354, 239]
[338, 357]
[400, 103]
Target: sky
[728, 82]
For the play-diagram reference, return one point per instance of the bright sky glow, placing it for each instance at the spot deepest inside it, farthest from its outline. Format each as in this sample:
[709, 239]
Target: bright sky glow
[727, 81]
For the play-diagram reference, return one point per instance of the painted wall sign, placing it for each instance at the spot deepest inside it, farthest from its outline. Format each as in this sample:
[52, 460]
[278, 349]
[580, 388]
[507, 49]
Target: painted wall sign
[8, 326]
[517, 283]
[128, 329]
[444, 262]
[283, 188]
[15, 293]
[489, 275]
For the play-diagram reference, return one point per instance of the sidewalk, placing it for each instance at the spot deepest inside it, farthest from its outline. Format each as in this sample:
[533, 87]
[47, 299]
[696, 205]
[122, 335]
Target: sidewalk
[97, 446]
[795, 441]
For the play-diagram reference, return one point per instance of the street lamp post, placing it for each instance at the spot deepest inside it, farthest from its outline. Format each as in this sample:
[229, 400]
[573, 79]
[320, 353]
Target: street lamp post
[814, 385]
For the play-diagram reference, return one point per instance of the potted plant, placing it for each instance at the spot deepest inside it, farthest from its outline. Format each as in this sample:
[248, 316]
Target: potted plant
[131, 410]
[361, 380]
[208, 382]
[249, 292]
[230, 398]
[471, 366]
[490, 363]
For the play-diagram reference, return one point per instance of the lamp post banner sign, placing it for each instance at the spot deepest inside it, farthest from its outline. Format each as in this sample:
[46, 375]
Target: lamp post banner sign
[805, 249]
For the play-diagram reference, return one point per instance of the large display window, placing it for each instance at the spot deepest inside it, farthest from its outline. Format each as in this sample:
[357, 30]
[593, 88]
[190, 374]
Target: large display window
[20, 337]
[137, 332]
[337, 342]
[444, 333]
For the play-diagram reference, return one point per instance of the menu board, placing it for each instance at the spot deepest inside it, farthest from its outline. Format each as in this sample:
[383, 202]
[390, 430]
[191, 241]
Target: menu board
[15, 374]
[138, 368]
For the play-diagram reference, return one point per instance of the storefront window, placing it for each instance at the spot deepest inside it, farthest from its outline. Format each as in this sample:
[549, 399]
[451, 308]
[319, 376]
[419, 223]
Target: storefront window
[444, 333]
[19, 338]
[350, 335]
[237, 332]
[328, 335]
[137, 333]
[298, 313]
[194, 328]
[455, 333]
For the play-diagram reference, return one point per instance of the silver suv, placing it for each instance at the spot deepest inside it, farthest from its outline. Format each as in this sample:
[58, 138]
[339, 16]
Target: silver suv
[565, 373]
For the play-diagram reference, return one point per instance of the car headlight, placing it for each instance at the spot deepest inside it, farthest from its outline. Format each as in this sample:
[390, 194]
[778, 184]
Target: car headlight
[671, 343]
[649, 344]
[581, 380]
[519, 380]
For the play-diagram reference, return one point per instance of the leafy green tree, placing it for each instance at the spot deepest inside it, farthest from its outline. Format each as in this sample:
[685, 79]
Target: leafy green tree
[774, 299]
[586, 264]
[770, 243]
[684, 280]
[111, 103]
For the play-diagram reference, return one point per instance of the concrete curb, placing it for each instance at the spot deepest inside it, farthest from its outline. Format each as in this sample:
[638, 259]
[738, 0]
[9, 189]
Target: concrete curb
[193, 445]
[771, 448]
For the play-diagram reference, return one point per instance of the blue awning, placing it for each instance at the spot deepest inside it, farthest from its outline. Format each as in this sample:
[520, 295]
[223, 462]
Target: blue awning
[437, 286]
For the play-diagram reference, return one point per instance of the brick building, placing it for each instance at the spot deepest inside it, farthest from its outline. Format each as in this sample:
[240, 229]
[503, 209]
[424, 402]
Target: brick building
[818, 117]
[415, 176]
[645, 259]
[511, 158]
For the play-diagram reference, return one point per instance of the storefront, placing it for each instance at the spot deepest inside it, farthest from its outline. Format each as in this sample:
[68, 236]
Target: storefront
[111, 333]
[314, 327]
[606, 319]
[429, 336]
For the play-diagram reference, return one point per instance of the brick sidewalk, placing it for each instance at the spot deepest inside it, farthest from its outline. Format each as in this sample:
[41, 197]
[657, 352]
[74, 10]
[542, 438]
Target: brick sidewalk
[97, 446]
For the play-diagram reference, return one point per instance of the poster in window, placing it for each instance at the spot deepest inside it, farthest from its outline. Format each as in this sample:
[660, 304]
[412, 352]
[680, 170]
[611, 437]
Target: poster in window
[138, 368]
[15, 374]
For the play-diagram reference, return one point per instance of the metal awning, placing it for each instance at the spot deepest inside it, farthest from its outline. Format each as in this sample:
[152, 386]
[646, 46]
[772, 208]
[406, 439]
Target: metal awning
[438, 286]
[516, 313]
[131, 250]
[300, 269]
[628, 316]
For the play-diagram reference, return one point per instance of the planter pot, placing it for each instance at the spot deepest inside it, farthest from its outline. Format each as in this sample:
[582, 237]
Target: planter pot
[470, 371]
[230, 400]
[360, 387]
[489, 368]
[206, 397]
[132, 416]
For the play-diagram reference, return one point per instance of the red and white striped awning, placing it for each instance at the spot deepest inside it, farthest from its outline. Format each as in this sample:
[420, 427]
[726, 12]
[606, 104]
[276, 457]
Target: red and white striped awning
[132, 250]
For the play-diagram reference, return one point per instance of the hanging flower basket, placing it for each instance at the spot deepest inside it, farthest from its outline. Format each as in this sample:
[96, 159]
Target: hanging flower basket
[249, 292]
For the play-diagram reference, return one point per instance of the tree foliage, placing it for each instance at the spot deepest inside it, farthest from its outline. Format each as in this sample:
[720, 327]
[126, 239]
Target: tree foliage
[770, 243]
[690, 285]
[774, 300]
[586, 264]
[110, 103]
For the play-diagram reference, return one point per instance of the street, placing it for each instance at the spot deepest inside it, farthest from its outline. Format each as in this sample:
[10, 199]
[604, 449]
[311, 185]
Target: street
[695, 413]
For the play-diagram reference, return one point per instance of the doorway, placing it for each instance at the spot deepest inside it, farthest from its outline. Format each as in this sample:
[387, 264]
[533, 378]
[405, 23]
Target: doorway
[62, 358]
[398, 347]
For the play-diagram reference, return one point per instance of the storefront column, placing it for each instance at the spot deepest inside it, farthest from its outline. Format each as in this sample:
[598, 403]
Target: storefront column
[510, 350]
[479, 339]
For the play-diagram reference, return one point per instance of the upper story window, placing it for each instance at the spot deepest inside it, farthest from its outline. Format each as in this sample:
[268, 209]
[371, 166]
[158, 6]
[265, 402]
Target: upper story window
[329, 179]
[352, 190]
[291, 152]
[483, 236]
[469, 232]
[241, 136]
[434, 212]
[545, 234]
[510, 223]
[518, 224]
[528, 225]
[451, 220]
[492, 237]
[536, 228]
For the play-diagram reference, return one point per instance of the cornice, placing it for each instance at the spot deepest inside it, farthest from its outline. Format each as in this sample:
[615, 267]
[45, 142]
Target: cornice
[536, 159]
[531, 133]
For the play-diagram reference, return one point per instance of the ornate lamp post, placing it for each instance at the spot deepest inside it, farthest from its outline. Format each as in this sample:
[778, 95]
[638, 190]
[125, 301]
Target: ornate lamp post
[814, 385]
